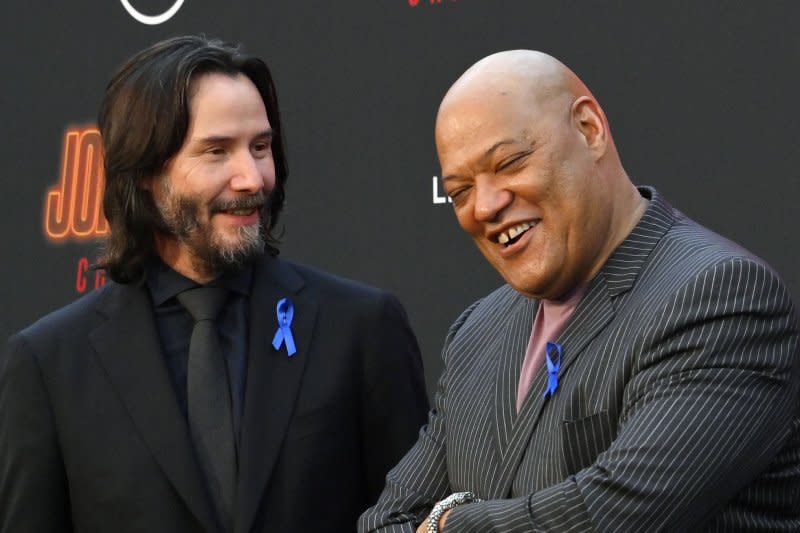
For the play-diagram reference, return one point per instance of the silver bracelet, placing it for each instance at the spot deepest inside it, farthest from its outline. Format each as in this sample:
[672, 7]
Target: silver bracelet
[455, 499]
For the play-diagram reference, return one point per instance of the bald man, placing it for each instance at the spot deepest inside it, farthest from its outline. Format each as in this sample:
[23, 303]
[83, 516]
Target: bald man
[636, 373]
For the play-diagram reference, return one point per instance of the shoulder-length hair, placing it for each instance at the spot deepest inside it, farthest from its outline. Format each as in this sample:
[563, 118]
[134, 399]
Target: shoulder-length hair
[144, 119]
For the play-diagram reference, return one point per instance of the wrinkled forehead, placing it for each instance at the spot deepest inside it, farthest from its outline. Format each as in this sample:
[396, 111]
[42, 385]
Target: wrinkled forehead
[504, 90]
[494, 111]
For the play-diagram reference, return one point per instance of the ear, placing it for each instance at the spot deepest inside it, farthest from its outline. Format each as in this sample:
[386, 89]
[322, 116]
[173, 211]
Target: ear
[591, 123]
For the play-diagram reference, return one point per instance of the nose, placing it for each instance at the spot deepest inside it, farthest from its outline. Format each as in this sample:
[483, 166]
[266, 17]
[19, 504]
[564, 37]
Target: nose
[490, 200]
[249, 174]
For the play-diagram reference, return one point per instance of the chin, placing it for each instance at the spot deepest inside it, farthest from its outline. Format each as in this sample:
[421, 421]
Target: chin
[238, 237]
[232, 249]
[532, 287]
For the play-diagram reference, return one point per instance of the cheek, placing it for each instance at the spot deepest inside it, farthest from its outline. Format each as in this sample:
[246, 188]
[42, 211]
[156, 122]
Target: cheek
[465, 220]
[267, 169]
[580, 238]
[164, 193]
[571, 228]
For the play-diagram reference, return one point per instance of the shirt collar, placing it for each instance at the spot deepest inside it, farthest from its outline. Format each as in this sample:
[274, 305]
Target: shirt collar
[165, 283]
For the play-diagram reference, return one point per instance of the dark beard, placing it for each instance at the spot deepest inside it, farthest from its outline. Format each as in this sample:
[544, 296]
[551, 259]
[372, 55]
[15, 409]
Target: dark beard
[211, 258]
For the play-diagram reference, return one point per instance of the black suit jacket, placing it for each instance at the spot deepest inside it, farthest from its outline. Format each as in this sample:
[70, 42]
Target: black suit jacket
[91, 437]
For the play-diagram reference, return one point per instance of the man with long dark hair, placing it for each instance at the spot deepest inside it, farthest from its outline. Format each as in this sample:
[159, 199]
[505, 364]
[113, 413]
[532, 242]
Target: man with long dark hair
[210, 386]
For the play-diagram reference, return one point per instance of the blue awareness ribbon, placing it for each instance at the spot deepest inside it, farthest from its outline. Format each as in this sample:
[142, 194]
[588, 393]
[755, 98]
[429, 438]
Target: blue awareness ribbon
[552, 367]
[285, 310]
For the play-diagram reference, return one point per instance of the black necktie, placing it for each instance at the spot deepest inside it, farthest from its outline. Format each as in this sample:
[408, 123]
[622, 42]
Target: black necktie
[209, 398]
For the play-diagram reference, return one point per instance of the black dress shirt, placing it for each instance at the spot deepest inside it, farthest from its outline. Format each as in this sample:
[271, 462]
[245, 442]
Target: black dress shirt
[175, 326]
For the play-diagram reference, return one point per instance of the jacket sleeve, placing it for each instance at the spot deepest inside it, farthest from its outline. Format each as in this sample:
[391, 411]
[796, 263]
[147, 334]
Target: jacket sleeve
[33, 489]
[394, 398]
[710, 402]
[420, 479]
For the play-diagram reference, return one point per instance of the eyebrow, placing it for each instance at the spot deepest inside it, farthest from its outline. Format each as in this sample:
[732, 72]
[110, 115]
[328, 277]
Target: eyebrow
[216, 139]
[497, 145]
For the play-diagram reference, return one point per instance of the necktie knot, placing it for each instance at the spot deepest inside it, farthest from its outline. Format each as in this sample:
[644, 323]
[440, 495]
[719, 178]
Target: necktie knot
[203, 303]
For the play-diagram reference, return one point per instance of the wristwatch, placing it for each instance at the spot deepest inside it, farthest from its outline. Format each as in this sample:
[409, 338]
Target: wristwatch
[455, 499]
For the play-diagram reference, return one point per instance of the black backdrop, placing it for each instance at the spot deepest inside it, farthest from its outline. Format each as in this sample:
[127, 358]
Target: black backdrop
[700, 95]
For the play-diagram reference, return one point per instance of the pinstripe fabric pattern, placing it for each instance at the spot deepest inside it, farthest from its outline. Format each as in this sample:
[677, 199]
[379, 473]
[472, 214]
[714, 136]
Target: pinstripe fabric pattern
[678, 407]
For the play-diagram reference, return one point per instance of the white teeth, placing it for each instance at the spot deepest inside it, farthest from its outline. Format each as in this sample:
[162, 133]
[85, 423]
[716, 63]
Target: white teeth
[514, 232]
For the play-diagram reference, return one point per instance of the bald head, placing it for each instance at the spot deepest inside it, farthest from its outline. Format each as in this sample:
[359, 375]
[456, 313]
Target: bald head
[536, 75]
[526, 80]
[528, 160]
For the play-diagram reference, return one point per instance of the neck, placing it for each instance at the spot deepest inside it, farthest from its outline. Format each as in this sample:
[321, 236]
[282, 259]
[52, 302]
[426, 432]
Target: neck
[175, 256]
[628, 211]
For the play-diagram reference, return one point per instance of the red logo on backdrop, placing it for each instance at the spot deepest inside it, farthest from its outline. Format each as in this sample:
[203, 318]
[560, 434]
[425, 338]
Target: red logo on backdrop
[73, 207]
[86, 277]
[415, 3]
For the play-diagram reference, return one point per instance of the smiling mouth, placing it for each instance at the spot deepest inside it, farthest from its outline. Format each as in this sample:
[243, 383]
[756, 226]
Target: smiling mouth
[239, 212]
[512, 235]
[242, 206]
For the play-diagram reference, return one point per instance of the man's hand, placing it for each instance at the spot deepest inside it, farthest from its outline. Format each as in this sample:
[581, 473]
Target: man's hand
[423, 527]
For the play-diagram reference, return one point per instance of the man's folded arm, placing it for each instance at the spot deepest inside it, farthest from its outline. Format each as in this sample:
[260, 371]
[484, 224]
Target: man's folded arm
[412, 488]
[707, 409]
[420, 479]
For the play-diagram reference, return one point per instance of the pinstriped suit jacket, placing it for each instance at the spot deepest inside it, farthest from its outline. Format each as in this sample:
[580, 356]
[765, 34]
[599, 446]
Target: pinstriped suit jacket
[678, 407]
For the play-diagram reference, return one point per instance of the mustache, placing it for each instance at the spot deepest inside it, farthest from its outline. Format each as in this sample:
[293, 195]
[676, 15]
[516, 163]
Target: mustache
[252, 201]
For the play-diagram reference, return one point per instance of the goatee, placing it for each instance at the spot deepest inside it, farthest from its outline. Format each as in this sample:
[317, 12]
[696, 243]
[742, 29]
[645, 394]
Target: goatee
[213, 253]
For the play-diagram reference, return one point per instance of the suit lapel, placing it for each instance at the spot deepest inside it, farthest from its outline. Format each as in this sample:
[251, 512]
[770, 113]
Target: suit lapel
[128, 349]
[593, 314]
[511, 350]
[273, 380]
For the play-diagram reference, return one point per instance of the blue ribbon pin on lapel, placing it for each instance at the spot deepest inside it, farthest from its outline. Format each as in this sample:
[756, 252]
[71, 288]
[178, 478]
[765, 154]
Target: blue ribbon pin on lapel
[285, 310]
[552, 367]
